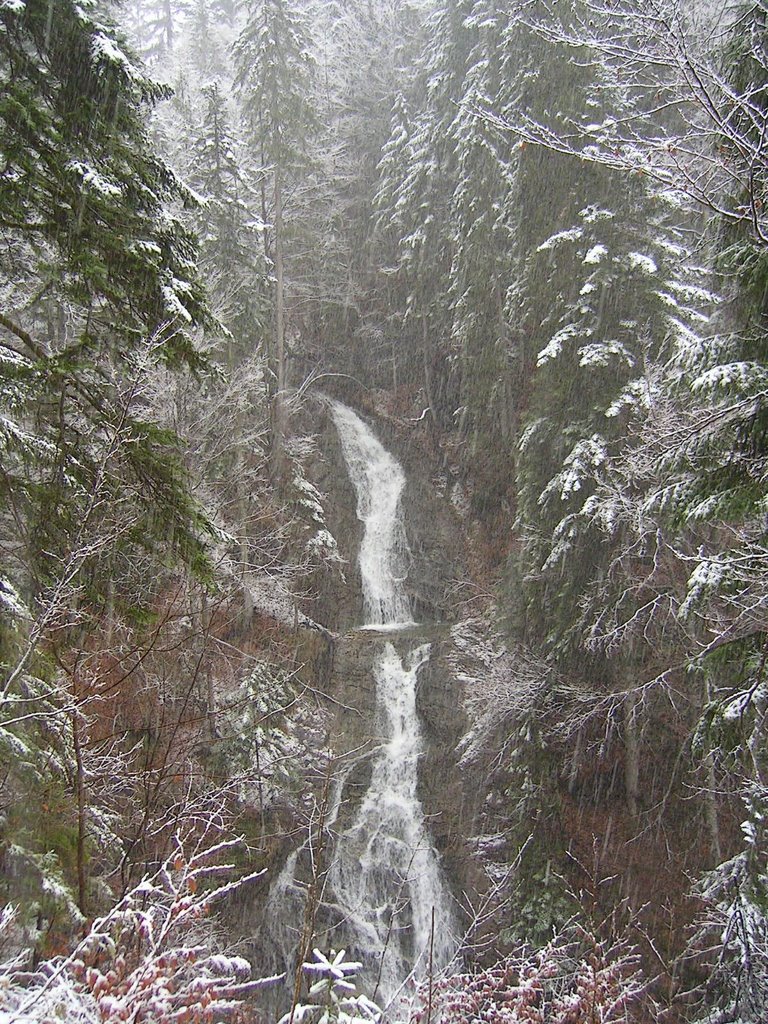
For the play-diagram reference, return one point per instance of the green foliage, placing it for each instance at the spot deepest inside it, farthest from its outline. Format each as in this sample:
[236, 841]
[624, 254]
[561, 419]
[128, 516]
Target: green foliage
[231, 232]
[155, 26]
[102, 300]
[605, 276]
[50, 909]
[734, 919]
[102, 281]
[81, 179]
[38, 835]
[254, 737]
[542, 906]
[274, 69]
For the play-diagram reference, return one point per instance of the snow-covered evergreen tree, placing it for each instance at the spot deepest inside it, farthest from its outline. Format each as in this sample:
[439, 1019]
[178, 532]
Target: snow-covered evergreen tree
[229, 223]
[274, 68]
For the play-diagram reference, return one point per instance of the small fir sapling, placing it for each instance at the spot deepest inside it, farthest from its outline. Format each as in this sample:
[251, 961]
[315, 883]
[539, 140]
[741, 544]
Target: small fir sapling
[336, 1000]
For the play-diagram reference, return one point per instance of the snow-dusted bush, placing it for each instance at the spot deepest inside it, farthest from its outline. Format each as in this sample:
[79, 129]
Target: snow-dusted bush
[730, 944]
[149, 959]
[572, 980]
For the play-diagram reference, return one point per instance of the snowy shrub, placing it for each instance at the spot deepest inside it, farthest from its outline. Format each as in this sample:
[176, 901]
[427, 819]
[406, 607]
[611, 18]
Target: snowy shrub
[44, 884]
[731, 942]
[257, 744]
[147, 960]
[572, 980]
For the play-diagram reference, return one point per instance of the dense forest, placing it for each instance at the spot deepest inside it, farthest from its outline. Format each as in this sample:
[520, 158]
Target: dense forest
[527, 241]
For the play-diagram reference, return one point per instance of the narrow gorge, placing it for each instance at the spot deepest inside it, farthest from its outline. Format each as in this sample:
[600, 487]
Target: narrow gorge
[385, 872]
[384, 895]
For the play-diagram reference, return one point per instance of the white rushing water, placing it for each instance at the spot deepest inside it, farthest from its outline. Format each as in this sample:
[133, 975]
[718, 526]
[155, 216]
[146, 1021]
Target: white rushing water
[378, 480]
[385, 872]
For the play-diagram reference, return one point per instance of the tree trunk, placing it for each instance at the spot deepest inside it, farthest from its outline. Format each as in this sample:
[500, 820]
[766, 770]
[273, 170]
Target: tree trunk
[210, 689]
[242, 525]
[278, 448]
[710, 795]
[428, 385]
[81, 805]
[631, 753]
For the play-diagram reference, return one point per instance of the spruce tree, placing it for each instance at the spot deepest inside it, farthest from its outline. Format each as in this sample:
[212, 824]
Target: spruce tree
[273, 73]
[229, 223]
[101, 282]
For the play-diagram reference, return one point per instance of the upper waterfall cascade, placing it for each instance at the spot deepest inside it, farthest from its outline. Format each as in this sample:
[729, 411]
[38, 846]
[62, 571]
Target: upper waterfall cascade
[385, 872]
[378, 480]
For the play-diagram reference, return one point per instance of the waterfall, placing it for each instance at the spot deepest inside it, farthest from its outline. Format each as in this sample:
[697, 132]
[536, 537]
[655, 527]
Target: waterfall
[378, 480]
[385, 873]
